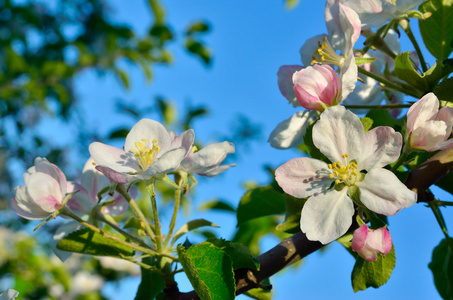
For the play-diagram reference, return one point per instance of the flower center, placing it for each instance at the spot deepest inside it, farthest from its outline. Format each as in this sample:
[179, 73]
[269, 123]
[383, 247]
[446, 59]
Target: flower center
[325, 54]
[145, 155]
[344, 173]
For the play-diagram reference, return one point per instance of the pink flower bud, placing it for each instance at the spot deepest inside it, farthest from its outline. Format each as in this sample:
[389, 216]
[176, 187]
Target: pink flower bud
[368, 242]
[429, 127]
[43, 192]
[317, 87]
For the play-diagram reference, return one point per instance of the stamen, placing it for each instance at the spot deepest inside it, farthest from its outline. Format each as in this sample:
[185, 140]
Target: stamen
[145, 155]
[325, 54]
[344, 173]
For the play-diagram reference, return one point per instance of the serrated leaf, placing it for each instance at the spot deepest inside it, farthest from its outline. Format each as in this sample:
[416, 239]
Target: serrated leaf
[293, 207]
[209, 270]
[259, 202]
[404, 70]
[437, 30]
[442, 267]
[89, 242]
[220, 205]
[191, 225]
[151, 283]
[238, 253]
[372, 273]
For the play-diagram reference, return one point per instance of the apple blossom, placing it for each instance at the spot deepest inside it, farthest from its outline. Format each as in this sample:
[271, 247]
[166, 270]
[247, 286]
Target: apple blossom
[206, 162]
[374, 13]
[317, 87]
[429, 128]
[368, 242]
[149, 150]
[343, 26]
[356, 171]
[291, 132]
[285, 82]
[92, 181]
[44, 191]
[10, 294]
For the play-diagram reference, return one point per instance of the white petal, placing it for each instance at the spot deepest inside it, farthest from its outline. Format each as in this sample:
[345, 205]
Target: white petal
[25, 207]
[382, 192]
[421, 111]
[93, 180]
[148, 129]
[327, 216]
[285, 82]
[381, 146]
[302, 177]
[113, 158]
[211, 155]
[338, 132]
[290, 132]
[61, 232]
[45, 187]
[168, 162]
[184, 140]
[214, 171]
[44, 166]
[429, 135]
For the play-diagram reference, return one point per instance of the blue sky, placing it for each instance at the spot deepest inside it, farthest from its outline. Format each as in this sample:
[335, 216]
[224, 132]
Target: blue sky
[250, 39]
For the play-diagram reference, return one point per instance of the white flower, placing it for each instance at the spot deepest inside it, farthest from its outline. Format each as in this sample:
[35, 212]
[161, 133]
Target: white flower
[428, 127]
[343, 26]
[206, 162]
[291, 132]
[149, 150]
[358, 160]
[43, 193]
[10, 294]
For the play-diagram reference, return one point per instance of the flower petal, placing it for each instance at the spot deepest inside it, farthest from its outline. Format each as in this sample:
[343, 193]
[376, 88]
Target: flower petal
[116, 176]
[113, 158]
[285, 82]
[44, 166]
[359, 238]
[25, 207]
[184, 140]
[302, 177]
[381, 146]
[382, 192]
[338, 132]
[148, 129]
[291, 132]
[168, 162]
[208, 157]
[45, 191]
[327, 216]
[429, 135]
[61, 232]
[421, 111]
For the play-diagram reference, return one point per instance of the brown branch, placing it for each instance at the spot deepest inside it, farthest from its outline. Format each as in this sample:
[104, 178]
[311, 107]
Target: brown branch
[296, 247]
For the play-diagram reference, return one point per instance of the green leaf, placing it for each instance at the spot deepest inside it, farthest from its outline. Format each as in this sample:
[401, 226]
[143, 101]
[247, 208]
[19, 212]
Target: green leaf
[290, 4]
[89, 242]
[220, 205]
[364, 60]
[259, 294]
[293, 209]
[151, 284]
[191, 225]
[120, 133]
[367, 123]
[345, 240]
[196, 27]
[442, 267]
[437, 29]
[238, 253]
[167, 111]
[199, 50]
[210, 270]
[259, 202]
[382, 117]
[308, 147]
[372, 273]
[404, 70]
[122, 76]
[444, 91]
[250, 233]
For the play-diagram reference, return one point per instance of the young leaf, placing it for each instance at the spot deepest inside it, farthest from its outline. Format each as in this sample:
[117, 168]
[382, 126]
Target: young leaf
[210, 270]
[238, 253]
[442, 267]
[372, 273]
[90, 242]
[191, 225]
[217, 204]
[436, 30]
[259, 202]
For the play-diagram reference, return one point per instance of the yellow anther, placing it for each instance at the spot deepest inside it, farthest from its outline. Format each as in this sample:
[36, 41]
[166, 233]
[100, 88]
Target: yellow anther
[330, 166]
[93, 163]
[194, 149]
[338, 163]
[334, 165]
[344, 177]
[145, 140]
[145, 153]
[331, 176]
[336, 173]
[337, 181]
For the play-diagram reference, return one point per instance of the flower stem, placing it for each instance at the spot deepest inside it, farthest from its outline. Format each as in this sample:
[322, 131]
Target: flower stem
[404, 24]
[386, 106]
[441, 221]
[402, 158]
[70, 214]
[120, 188]
[442, 203]
[388, 83]
[175, 213]
[152, 195]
